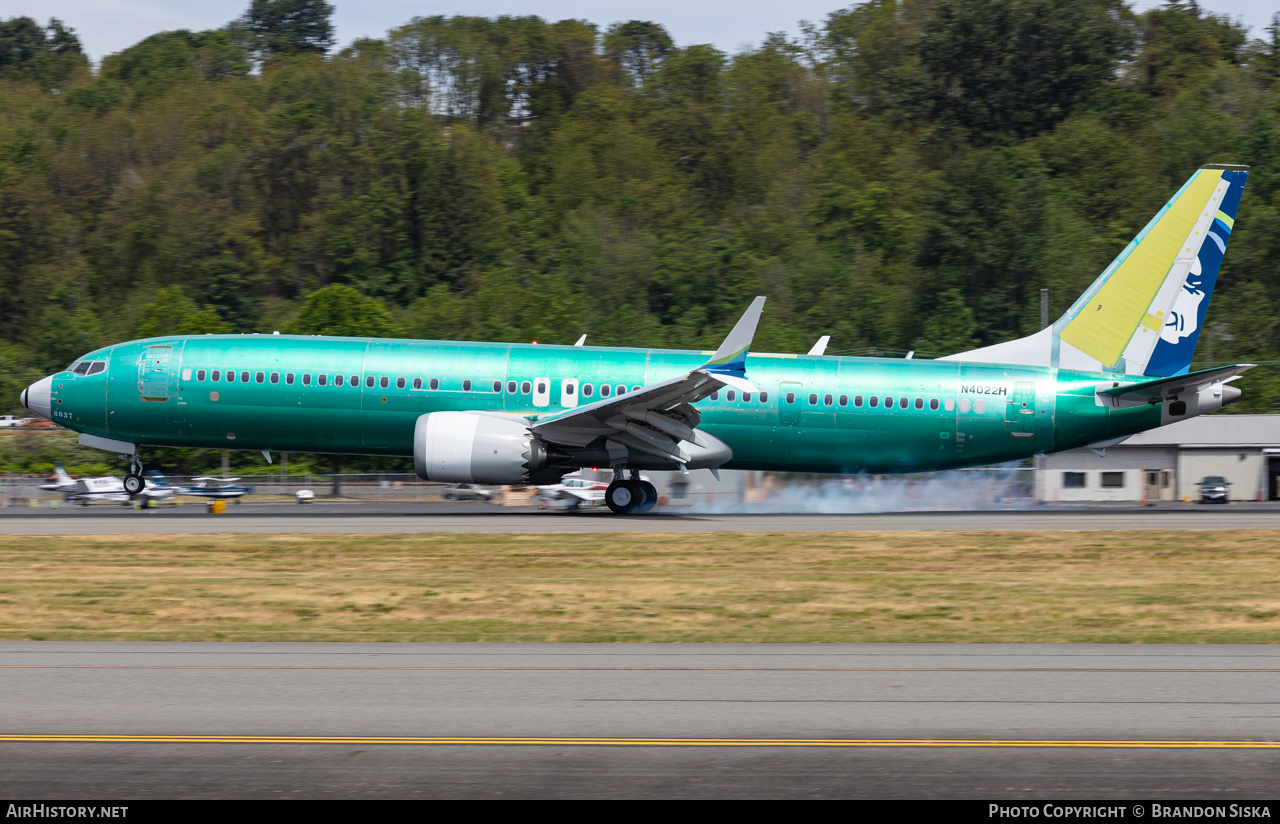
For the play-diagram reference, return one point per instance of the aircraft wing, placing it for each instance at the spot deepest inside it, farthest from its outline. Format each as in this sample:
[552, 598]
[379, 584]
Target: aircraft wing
[1162, 388]
[655, 419]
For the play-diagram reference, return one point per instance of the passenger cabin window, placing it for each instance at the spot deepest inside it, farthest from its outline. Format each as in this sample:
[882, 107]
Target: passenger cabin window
[948, 404]
[857, 400]
[231, 377]
[888, 401]
[844, 400]
[511, 387]
[369, 381]
[715, 396]
[466, 386]
[497, 386]
[764, 397]
[306, 379]
[542, 388]
[435, 383]
[746, 397]
[635, 389]
[791, 397]
[919, 403]
[288, 379]
[338, 379]
[605, 390]
[964, 405]
[731, 395]
[525, 387]
[933, 404]
[260, 377]
[322, 379]
[275, 377]
[384, 382]
[813, 398]
[568, 388]
[826, 400]
[873, 401]
[587, 390]
[186, 374]
[400, 383]
[199, 374]
[980, 406]
[902, 403]
[355, 380]
[417, 383]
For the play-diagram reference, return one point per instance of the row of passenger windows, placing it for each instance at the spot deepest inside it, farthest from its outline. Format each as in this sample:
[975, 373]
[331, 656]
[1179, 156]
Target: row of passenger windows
[371, 381]
[872, 401]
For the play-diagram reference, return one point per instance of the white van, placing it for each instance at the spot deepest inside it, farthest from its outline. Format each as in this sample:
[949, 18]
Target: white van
[8, 421]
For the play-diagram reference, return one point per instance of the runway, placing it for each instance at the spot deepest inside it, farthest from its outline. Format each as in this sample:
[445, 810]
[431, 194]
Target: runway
[413, 518]
[139, 720]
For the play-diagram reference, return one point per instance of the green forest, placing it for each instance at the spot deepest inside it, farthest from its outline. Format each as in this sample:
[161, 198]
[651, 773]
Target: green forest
[901, 176]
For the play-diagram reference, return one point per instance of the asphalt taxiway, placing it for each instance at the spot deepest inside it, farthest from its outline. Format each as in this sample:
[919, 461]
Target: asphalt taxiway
[476, 517]
[139, 720]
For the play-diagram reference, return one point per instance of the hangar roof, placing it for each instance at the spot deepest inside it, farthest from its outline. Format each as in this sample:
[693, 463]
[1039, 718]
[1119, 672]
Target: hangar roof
[1214, 431]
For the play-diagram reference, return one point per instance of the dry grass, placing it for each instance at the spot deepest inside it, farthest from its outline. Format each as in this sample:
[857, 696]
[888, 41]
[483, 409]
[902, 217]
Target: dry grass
[962, 586]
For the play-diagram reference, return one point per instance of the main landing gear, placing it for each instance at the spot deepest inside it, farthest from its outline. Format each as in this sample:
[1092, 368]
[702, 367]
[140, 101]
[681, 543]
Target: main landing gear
[134, 482]
[630, 496]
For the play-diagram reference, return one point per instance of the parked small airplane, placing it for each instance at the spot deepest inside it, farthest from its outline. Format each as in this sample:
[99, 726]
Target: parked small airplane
[85, 491]
[216, 488]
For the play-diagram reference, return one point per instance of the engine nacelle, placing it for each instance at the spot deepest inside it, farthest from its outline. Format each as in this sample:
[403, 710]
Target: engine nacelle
[474, 447]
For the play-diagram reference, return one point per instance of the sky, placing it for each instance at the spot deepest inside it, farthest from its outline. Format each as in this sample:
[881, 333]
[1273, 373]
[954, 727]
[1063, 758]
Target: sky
[108, 26]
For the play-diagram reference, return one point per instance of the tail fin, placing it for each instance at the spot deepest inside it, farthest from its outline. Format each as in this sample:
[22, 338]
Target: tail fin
[61, 473]
[1143, 314]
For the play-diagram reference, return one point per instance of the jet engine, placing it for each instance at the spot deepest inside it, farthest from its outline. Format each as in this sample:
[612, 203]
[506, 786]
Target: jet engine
[478, 447]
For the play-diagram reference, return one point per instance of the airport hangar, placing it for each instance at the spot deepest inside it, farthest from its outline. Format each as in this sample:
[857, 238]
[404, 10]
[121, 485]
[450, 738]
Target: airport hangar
[1166, 464]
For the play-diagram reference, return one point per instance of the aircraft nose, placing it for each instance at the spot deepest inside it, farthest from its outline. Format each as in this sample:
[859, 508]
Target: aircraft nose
[36, 397]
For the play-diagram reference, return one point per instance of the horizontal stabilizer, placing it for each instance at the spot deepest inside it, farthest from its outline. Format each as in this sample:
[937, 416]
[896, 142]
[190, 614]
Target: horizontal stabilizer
[1162, 388]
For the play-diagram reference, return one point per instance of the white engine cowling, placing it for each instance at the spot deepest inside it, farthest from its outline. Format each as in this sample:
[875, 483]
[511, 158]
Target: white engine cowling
[473, 447]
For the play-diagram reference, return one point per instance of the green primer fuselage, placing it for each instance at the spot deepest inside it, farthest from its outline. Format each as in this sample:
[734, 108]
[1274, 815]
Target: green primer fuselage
[153, 392]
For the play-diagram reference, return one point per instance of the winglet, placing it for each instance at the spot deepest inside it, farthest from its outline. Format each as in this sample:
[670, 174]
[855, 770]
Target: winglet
[731, 357]
[821, 346]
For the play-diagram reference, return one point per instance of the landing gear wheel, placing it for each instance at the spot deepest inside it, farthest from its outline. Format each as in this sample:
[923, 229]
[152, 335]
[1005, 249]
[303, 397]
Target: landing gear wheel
[650, 499]
[622, 497]
[133, 484]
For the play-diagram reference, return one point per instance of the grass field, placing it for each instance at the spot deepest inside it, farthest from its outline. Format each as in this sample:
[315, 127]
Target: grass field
[964, 586]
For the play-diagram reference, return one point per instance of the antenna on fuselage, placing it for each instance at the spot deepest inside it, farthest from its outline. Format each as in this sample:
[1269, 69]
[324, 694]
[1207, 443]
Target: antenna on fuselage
[821, 346]
[581, 340]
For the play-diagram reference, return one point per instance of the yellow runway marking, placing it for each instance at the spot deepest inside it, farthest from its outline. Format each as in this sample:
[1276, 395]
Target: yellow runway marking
[633, 742]
[622, 669]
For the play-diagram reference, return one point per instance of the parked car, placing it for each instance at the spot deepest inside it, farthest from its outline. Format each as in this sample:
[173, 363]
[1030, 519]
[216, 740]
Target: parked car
[1213, 489]
[466, 492]
[9, 421]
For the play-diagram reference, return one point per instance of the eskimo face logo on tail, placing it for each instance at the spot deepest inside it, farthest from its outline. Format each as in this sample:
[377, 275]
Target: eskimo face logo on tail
[1184, 317]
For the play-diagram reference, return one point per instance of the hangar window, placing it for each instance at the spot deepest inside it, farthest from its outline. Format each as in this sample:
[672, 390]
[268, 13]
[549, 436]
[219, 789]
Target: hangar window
[288, 378]
[873, 401]
[434, 384]
[337, 380]
[369, 381]
[259, 377]
[933, 404]
[511, 387]
[1073, 480]
[844, 400]
[813, 398]
[417, 383]
[964, 405]
[384, 382]
[764, 397]
[587, 390]
[980, 406]
[857, 400]
[1112, 480]
[199, 374]
[919, 403]
[497, 386]
[275, 377]
[244, 377]
[466, 386]
[731, 395]
[605, 390]
[791, 397]
[306, 379]
[525, 387]
[322, 379]
[399, 383]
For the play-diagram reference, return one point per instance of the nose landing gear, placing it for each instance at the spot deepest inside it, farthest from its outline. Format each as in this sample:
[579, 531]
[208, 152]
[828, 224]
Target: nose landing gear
[630, 496]
[134, 482]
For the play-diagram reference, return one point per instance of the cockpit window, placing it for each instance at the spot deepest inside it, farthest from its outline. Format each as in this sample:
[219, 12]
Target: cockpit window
[96, 367]
[79, 367]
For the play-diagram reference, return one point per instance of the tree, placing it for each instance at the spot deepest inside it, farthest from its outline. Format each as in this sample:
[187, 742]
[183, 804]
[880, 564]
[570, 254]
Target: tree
[339, 310]
[1002, 70]
[48, 56]
[173, 313]
[638, 48]
[290, 26]
[949, 328]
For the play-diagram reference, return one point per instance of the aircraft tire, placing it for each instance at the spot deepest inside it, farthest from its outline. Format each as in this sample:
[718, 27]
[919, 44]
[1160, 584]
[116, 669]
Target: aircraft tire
[650, 497]
[133, 484]
[622, 497]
